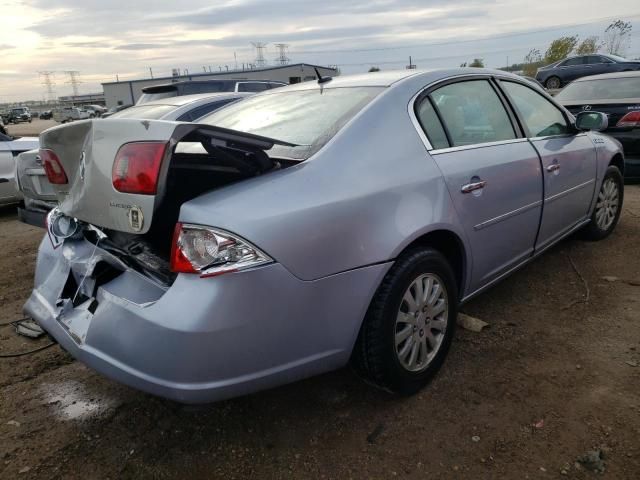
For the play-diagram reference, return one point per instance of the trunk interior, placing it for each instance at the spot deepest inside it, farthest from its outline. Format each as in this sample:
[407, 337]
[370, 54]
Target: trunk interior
[189, 176]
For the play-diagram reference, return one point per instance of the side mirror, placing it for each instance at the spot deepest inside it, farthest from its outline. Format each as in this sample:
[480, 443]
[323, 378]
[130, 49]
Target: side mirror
[592, 121]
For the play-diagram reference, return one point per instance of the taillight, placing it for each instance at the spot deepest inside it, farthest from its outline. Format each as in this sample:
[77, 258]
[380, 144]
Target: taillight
[210, 251]
[137, 167]
[53, 167]
[631, 119]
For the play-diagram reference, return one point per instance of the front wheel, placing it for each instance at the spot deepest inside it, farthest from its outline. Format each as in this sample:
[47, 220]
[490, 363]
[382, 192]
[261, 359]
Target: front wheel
[408, 328]
[608, 206]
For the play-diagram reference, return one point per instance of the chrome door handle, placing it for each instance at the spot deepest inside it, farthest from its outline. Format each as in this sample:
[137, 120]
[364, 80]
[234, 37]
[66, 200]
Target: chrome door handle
[553, 167]
[470, 187]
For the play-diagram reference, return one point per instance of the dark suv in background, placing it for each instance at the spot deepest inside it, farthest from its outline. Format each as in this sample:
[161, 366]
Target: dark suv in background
[560, 73]
[177, 89]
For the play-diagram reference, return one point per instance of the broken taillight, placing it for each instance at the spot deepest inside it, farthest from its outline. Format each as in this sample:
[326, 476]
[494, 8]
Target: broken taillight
[211, 251]
[631, 119]
[53, 167]
[137, 167]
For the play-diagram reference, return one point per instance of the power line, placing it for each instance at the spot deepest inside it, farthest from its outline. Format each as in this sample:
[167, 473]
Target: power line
[282, 53]
[73, 80]
[48, 83]
[260, 48]
[470, 40]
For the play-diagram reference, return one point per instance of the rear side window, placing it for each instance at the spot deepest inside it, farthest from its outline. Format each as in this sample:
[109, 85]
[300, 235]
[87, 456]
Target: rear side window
[431, 125]
[203, 110]
[252, 87]
[541, 117]
[473, 113]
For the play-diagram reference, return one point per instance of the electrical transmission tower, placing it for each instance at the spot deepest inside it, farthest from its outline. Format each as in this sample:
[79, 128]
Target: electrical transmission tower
[260, 48]
[73, 80]
[48, 83]
[282, 58]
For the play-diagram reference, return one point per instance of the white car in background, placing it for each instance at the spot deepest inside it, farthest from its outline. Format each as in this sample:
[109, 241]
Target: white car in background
[69, 114]
[10, 147]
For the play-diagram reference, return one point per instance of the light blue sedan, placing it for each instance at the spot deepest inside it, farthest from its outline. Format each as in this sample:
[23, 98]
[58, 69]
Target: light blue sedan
[309, 226]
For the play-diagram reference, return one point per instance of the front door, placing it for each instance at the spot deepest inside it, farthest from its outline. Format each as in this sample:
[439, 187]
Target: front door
[492, 173]
[568, 162]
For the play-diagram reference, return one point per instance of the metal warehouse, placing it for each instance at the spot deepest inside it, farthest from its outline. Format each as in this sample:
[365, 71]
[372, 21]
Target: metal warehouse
[127, 92]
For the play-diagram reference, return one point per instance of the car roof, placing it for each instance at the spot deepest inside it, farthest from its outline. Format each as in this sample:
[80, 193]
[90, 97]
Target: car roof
[392, 77]
[186, 99]
[604, 76]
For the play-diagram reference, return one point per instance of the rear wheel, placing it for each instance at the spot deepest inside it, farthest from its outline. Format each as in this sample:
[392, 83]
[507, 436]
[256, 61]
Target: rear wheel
[553, 83]
[608, 206]
[410, 323]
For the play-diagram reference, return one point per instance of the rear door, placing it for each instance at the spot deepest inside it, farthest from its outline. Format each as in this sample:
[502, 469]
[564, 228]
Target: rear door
[573, 68]
[492, 172]
[568, 161]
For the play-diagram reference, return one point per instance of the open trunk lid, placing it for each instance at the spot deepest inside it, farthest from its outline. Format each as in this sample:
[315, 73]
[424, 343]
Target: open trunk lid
[87, 151]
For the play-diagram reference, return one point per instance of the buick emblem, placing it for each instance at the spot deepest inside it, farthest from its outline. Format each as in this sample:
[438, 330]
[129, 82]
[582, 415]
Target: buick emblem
[586, 107]
[82, 166]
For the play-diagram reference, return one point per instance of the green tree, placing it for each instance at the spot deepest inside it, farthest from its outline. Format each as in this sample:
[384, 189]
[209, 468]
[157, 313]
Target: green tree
[532, 61]
[617, 37]
[374, 69]
[560, 48]
[477, 62]
[588, 45]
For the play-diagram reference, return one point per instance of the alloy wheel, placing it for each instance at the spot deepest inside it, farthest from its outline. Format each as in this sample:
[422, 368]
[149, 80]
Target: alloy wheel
[421, 322]
[607, 204]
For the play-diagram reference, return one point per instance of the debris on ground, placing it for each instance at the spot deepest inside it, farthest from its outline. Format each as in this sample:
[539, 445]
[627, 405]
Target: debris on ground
[471, 323]
[539, 424]
[610, 278]
[373, 436]
[632, 363]
[475, 438]
[593, 460]
[14, 423]
[29, 328]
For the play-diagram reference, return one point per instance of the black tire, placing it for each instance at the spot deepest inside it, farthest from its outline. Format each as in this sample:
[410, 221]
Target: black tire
[374, 356]
[553, 82]
[595, 231]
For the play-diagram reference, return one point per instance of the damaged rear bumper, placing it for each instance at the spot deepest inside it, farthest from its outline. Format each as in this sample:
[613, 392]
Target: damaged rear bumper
[200, 340]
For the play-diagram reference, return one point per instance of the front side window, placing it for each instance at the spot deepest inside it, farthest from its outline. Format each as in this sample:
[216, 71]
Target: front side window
[473, 113]
[541, 117]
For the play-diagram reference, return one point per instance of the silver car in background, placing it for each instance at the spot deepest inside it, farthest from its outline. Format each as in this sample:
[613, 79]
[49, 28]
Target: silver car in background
[38, 193]
[305, 227]
[10, 148]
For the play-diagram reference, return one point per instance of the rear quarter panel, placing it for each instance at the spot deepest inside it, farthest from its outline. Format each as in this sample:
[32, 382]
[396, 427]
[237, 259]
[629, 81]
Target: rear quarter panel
[361, 200]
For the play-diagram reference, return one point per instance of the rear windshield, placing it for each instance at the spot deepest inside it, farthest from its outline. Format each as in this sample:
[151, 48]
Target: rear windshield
[147, 112]
[308, 118]
[601, 89]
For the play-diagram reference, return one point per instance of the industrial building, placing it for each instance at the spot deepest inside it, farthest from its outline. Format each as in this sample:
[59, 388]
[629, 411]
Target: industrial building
[127, 92]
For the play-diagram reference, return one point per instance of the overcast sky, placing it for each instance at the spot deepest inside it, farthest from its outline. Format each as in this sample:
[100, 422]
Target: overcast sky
[102, 38]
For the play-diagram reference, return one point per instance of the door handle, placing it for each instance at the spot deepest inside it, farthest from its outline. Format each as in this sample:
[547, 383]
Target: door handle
[471, 187]
[554, 167]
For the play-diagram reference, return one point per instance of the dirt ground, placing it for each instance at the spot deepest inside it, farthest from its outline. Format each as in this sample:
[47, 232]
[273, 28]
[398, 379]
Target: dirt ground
[32, 129]
[553, 377]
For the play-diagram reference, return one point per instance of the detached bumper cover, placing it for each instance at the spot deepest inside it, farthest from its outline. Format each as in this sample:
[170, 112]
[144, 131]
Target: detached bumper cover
[200, 340]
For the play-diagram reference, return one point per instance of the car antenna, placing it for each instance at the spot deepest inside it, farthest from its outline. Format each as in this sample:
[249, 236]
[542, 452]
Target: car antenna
[322, 79]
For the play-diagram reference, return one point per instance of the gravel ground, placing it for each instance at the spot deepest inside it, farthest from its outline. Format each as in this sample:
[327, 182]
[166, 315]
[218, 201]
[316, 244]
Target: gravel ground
[32, 129]
[554, 378]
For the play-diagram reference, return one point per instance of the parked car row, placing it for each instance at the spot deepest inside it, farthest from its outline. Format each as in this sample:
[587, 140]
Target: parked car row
[356, 214]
